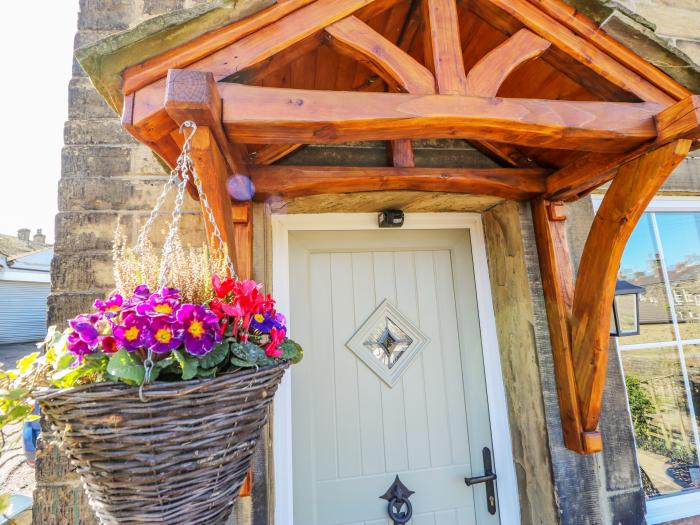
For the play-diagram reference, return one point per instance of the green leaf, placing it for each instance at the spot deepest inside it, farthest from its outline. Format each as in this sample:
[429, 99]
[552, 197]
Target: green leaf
[189, 365]
[64, 360]
[15, 394]
[126, 368]
[241, 363]
[292, 351]
[249, 352]
[215, 357]
[206, 372]
[26, 362]
[66, 378]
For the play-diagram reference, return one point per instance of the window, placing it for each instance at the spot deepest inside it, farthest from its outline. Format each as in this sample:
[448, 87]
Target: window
[662, 363]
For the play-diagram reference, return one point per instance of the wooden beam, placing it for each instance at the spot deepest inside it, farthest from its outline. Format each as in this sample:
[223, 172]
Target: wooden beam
[400, 153]
[398, 69]
[681, 120]
[354, 38]
[567, 43]
[584, 27]
[272, 153]
[155, 68]
[549, 221]
[624, 202]
[257, 115]
[487, 76]
[442, 48]
[193, 95]
[297, 181]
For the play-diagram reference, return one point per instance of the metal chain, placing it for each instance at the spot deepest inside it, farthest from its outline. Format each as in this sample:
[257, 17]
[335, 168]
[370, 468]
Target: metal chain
[179, 177]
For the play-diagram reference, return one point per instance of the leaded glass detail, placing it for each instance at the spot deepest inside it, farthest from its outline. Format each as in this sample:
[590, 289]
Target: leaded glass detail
[387, 342]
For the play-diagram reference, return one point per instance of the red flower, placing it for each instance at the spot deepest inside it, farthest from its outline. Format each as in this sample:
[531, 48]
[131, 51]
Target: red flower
[222, 288]
[276, 339]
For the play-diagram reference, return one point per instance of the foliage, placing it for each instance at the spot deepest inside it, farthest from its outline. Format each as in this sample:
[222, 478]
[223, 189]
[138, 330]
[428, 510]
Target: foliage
[641, 407]
[239, 328]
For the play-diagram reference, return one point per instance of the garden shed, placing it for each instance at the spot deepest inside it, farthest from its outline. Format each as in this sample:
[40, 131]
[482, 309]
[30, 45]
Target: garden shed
[471, 336]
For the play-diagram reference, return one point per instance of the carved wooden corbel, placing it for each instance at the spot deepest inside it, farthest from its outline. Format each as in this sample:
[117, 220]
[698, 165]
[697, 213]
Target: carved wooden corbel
[579, 316]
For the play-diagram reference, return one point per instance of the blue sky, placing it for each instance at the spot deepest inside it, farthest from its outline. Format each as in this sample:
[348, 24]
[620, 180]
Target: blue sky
[679, 235]
[37, 44]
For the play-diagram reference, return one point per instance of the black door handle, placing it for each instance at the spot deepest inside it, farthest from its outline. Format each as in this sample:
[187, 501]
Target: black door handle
[488, 478]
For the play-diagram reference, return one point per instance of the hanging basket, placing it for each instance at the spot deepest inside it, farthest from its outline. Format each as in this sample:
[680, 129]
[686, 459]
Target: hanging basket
[178, 459]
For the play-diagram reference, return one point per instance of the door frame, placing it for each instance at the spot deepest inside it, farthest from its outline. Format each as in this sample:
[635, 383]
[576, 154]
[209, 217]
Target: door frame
[283, 497]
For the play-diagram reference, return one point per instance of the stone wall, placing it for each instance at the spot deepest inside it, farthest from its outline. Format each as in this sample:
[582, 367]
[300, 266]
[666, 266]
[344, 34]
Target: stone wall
[105, 178]
[677, 21]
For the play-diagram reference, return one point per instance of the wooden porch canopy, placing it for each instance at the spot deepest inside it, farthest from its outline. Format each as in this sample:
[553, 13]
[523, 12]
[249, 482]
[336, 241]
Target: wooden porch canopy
[560, 106]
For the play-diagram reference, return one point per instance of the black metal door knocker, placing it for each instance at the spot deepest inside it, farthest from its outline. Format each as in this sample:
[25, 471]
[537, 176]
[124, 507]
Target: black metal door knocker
[399, 509]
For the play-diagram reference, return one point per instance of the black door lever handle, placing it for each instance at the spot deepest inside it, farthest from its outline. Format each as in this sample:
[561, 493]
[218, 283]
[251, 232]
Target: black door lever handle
[489, 477]
[479, 479]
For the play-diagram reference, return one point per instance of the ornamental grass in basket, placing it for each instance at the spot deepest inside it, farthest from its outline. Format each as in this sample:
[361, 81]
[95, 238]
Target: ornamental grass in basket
[159, 395]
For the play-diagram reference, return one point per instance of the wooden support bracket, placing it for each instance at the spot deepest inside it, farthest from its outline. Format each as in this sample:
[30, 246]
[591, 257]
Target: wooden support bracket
[579, 317]
[193, 95]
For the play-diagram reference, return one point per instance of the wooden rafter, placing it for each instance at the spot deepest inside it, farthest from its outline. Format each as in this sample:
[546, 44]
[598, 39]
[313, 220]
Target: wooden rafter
[571, 54]
[487, 76]
[634, 144]
[296, 181]
[270, 115]
[354, 38]
[681, 120]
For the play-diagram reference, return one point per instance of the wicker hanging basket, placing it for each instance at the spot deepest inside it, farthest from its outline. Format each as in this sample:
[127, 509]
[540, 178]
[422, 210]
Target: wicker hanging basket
[178, 459]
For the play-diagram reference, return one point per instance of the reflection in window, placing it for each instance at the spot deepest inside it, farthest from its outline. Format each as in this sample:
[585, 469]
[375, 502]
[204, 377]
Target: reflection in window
[662, 363]
[681, 241]
[641, 265]
[661, 419]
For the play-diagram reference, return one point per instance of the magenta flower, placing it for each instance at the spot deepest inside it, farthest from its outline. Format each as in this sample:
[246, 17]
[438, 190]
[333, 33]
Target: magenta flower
[140, 295]
[161, 304]
[200, 328]
[162, 336]
[131, 333]
[110, 307]
[78, 347]
[84, 327]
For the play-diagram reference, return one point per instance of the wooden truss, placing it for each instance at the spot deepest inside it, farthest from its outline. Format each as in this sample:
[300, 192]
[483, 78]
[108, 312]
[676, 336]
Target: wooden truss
[629, 124]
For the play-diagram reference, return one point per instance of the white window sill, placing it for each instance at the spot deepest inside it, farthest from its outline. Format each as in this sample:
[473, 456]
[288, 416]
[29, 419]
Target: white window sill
[663, 509]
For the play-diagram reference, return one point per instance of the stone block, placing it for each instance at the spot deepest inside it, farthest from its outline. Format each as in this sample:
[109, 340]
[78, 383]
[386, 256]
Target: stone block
[159, 7]
[691, 47]
[78, 231]
[145, 162]
[115, 193]
[83, 272]
[627, 508]
[84, 102]
[96, 131]
[95, 161]
[82, 39]
[66, 305]
[107, 14]
[671, 20]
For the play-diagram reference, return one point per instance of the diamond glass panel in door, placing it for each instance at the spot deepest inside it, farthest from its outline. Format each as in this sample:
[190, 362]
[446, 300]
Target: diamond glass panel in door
[680, 238]
[388, 343]
[661, 419]
[641, 266]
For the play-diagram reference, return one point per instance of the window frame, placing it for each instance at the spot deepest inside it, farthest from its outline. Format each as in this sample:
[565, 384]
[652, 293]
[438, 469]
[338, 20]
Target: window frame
[682, 504]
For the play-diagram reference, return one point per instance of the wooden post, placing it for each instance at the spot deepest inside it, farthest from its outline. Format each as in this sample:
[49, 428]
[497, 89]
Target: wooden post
[579, 317]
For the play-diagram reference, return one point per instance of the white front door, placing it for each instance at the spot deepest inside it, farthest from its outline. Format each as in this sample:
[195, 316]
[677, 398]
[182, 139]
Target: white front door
[392, 381]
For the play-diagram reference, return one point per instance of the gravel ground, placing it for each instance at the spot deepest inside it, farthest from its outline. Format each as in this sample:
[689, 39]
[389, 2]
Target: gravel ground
[16, 476]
